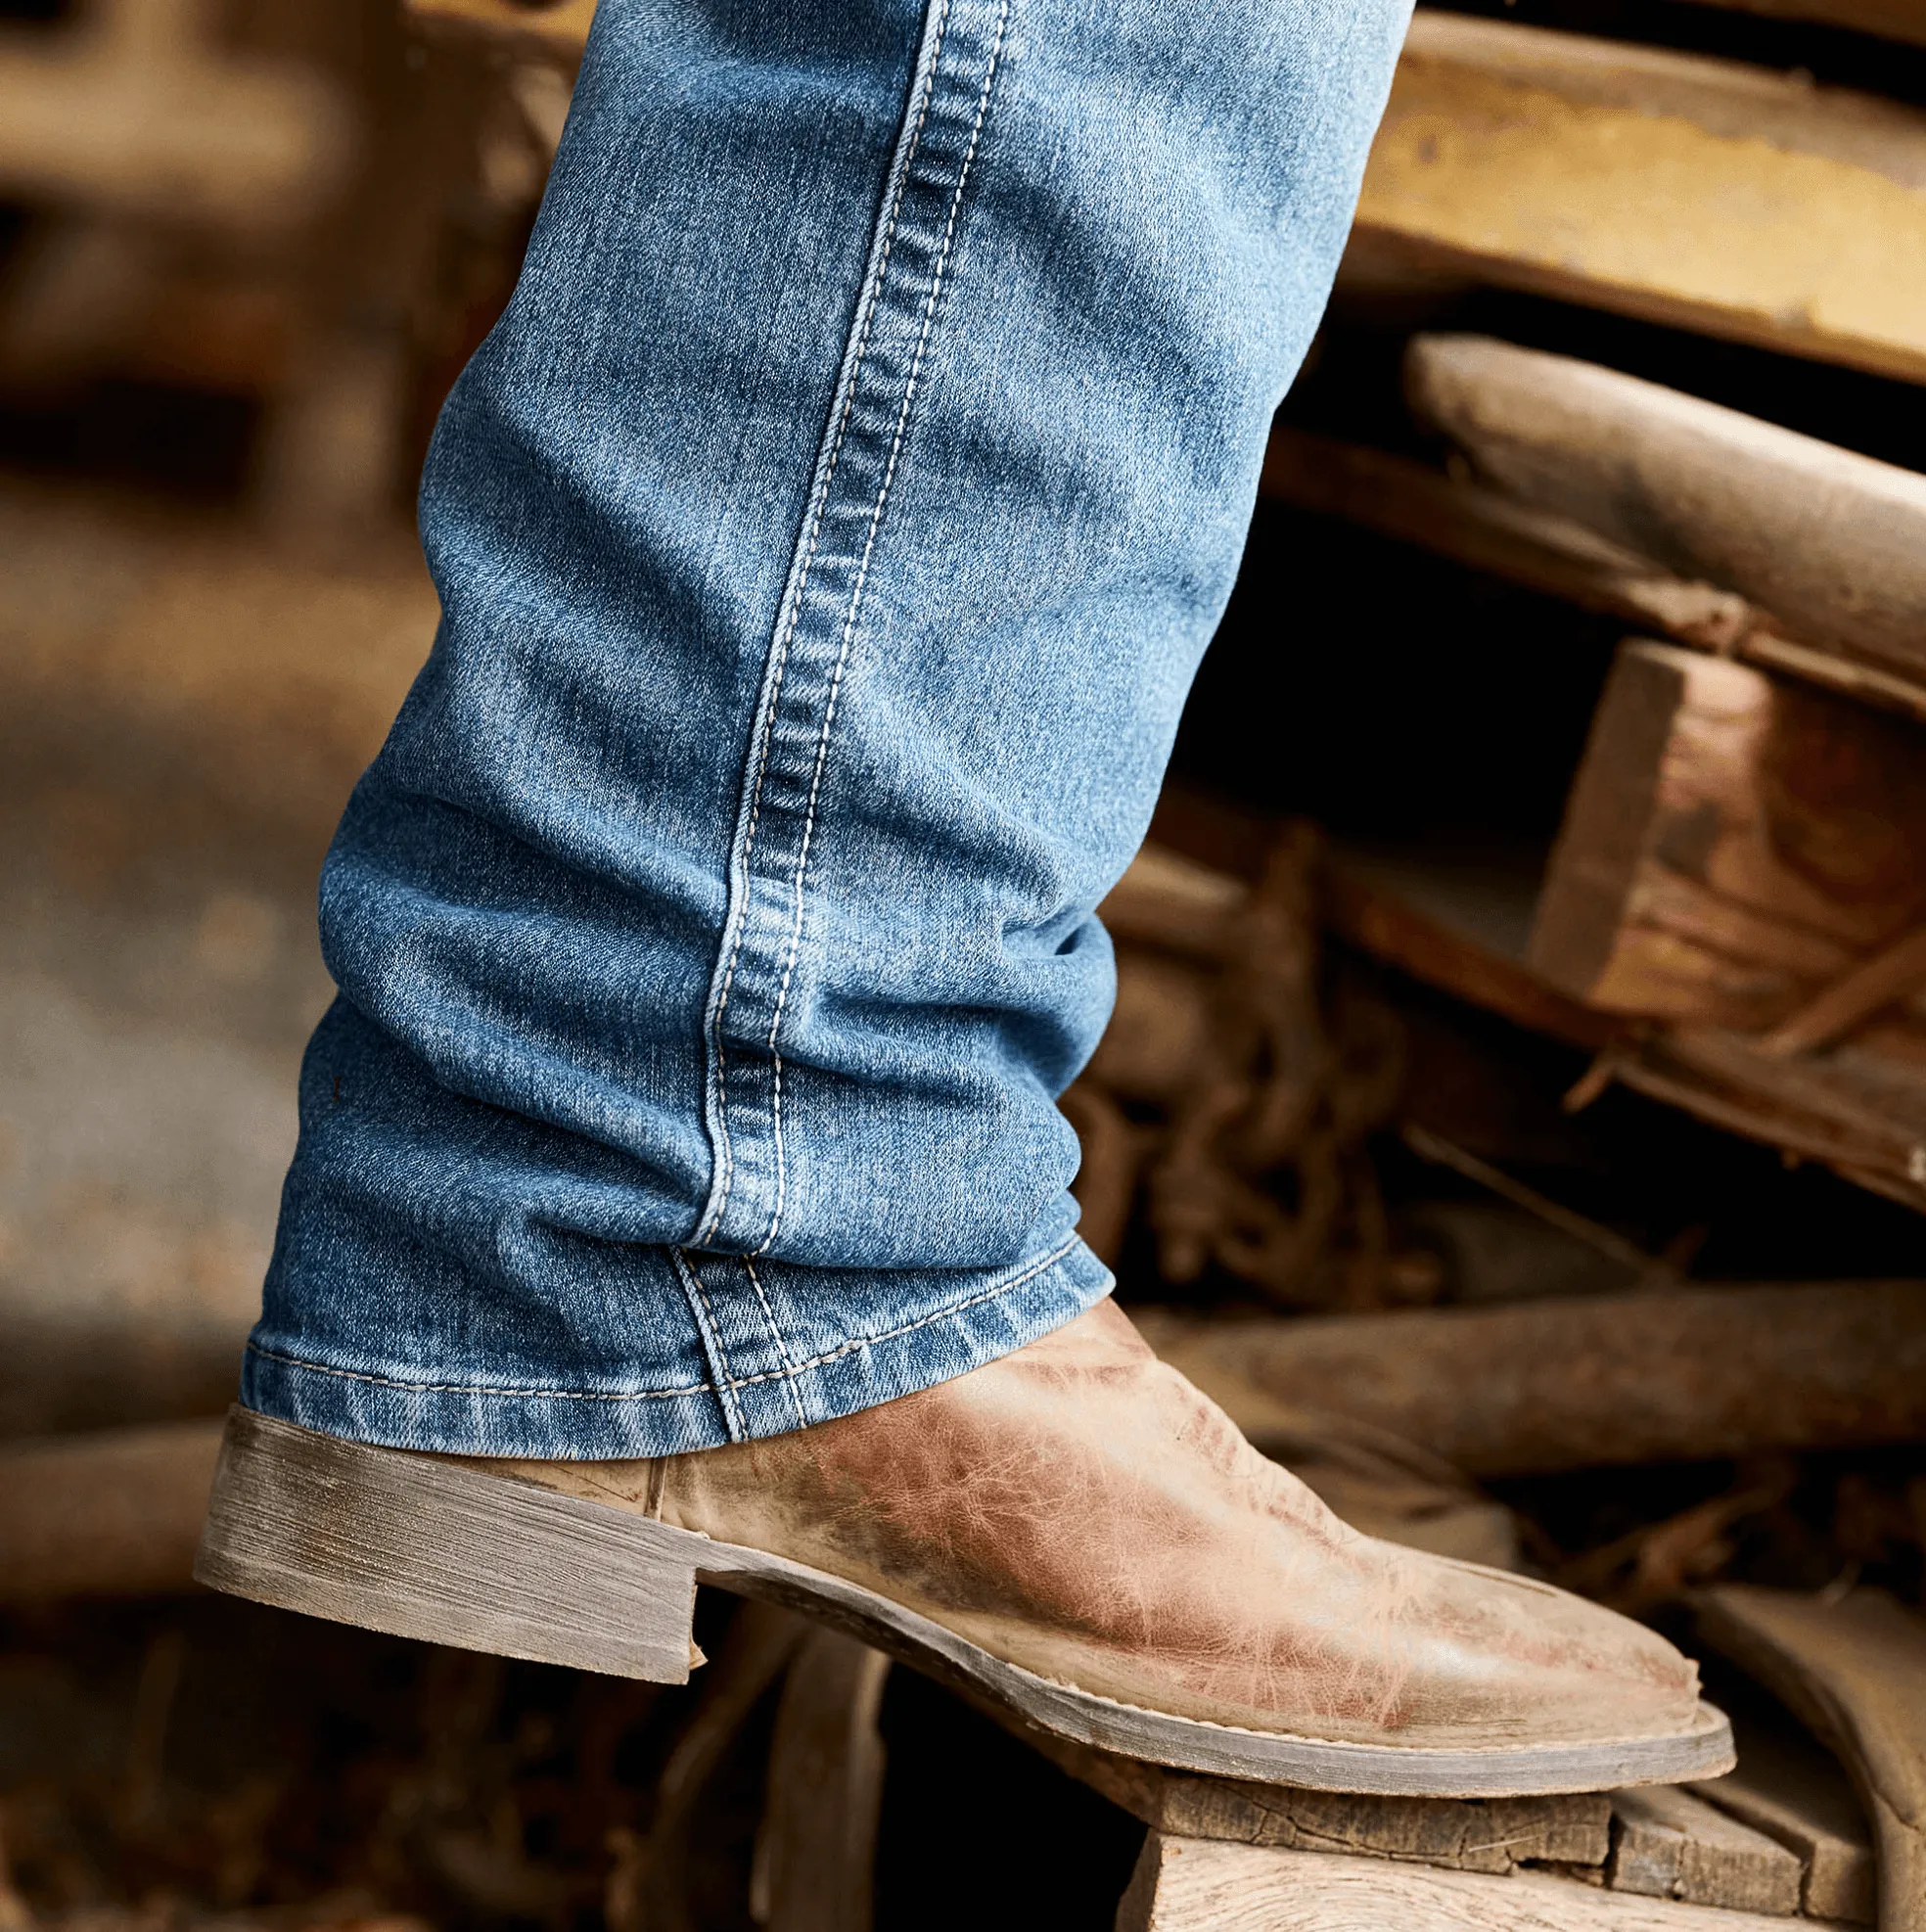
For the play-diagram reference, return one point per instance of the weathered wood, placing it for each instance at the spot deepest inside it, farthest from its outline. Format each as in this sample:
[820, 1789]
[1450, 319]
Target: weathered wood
[1831, 543]
[1854, 1672]
[1734, 845]
[114, 1513]
[1194, 1885]
[1492, 1835]
[758, 1647]
[1720, 198]
[1669, 1844]
[1893, 19]
[143, 116]
[817, 1848]
[1479, 526]
[1794, 1793]
[1587, 1381]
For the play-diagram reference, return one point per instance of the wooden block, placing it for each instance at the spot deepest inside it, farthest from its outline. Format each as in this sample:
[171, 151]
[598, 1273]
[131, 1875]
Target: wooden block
[1668, 1844]
[818, 1846]
[1854, 1672]
[1489, 1835]
[1732, 846]
[1193, 1885]
[1588, 1381]
[1832, 544]
[1795, 1794]
[1700, 193]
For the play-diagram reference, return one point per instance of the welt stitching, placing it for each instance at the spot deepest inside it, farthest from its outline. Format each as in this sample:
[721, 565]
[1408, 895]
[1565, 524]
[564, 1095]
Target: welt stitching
[855, 605]
[872, 298]
[782, 1347]
[989, 1294]
[732, 1400]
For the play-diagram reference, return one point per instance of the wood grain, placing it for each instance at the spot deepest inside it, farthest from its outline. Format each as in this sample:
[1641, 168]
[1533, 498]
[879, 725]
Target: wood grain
[1855, 1672]
[1832, 544]
[1590, 1381]
[1492, 1835]
[1192, 1885]
[1734, 845]
[1795, 1794]
[1723, 199]
[1670, 1844]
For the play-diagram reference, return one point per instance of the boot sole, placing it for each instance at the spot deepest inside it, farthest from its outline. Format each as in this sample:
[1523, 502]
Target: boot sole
[422, 1547]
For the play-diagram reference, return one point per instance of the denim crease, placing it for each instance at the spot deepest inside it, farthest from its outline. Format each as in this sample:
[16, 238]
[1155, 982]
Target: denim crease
[826, 535]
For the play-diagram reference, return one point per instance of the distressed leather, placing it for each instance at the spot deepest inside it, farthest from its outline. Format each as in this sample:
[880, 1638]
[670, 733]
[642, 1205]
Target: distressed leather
[1080, 1510]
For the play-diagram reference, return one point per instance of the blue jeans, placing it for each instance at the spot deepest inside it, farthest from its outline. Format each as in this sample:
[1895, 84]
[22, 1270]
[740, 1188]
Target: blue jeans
[826, 539]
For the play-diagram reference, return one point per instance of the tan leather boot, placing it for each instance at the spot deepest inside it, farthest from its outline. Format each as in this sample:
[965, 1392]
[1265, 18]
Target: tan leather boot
[1073, 1532]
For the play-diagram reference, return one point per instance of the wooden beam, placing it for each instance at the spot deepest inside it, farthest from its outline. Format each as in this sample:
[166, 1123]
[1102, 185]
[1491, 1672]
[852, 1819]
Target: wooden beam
[1700, 193]
[117, 1512]
[1853, 1670]
[817, 1846]
[1734, 844]
[1196, 1885]
[1587, 1381]
[1831, 544]
[1475, 525]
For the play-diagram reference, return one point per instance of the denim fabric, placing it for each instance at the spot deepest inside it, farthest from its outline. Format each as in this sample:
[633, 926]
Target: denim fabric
[826, 539]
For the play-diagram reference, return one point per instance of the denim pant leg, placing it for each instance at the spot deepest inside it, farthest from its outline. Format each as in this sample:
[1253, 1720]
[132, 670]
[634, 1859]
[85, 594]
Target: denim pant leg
[826, 539]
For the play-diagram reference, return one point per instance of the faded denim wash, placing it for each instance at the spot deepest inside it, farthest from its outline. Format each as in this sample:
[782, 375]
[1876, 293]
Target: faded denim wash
[826, 539]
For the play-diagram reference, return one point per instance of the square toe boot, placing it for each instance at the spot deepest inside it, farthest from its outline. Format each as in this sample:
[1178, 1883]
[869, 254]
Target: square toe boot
[1073, 1533]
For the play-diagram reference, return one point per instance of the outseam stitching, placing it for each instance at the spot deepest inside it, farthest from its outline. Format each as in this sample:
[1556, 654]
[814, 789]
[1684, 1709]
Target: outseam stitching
[782, 1347]
[855, 608]
[712, 1337]
[852, 1347]
[872, 300]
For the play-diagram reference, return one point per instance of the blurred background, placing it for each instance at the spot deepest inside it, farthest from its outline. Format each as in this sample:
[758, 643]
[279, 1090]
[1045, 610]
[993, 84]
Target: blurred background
[1570, 1226]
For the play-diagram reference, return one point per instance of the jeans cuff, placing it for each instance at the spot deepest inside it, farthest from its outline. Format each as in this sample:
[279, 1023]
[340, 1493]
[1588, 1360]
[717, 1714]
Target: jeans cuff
[399, 1408]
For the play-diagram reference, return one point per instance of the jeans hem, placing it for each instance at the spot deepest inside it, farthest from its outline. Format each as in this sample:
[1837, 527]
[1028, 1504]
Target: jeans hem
[388, 1408]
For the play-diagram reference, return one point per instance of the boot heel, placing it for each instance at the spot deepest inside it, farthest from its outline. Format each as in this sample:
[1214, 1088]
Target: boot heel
[429, 1548]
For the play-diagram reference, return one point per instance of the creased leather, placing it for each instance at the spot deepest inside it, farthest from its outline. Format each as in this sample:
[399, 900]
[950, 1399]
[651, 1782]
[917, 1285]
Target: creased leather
[1082, 1510]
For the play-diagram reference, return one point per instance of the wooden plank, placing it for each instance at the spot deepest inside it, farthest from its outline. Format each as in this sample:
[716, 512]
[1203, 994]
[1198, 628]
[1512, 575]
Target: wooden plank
[1831, 543]
[558, 26]
[117, 1512]
[1669, 1844]
[816, 1851]
[1194, 1885]
[141, 114]
[1892, 20]
[1700, 193]
[1588, 1381]
[1460, 1834]
[1794, 1793]
[1853, 1670]
[1475, 525]
[1734, 845]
